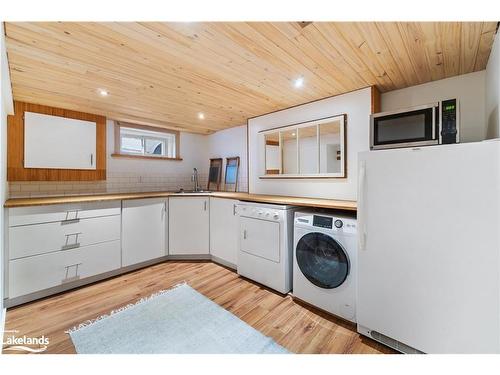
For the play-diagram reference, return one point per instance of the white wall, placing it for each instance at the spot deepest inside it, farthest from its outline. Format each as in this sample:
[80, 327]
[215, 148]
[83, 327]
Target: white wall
[228, 143]
[6, 105]
[468, 88]
[357, 106]
[493, 91]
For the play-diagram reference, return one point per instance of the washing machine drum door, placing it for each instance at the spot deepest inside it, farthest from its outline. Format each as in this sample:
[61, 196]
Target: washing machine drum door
[322, 260]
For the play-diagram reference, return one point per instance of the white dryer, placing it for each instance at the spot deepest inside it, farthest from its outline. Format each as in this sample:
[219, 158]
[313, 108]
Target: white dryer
[266, 240]
[324, 262]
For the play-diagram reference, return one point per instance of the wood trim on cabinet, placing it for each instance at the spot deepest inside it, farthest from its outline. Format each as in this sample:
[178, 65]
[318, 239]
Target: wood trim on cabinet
[15, 147]
[376, 100]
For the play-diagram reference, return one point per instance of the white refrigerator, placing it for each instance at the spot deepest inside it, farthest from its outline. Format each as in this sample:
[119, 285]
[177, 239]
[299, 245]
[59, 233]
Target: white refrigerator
[429, 248]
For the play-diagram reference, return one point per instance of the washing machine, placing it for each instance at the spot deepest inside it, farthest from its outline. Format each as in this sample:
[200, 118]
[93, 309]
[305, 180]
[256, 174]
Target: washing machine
[324, 262]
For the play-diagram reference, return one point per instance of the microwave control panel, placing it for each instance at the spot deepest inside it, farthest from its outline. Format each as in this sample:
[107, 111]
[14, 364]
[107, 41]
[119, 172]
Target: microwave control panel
[449, 124]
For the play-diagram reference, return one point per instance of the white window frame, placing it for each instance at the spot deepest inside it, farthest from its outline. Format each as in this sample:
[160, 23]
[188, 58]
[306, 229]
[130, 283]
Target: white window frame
[145, 133]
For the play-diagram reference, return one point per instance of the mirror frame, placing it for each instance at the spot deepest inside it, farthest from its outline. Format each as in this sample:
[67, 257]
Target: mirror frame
[317, 123]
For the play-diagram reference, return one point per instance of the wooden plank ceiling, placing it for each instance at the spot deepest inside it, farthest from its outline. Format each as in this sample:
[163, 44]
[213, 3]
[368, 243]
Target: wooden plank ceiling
[165, 74]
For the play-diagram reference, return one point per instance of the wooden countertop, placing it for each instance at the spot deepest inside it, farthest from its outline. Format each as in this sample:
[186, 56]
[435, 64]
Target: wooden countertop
[276, 199]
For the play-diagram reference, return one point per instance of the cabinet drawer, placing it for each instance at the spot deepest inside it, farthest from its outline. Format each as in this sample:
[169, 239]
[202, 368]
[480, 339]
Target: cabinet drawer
[28, 275]
[62, 212]
[35, 239]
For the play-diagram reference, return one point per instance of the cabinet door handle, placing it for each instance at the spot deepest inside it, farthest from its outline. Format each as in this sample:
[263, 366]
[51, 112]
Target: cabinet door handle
[91, 159]
[234, 209]
[244, 234]
[163, 210]
[204, 205]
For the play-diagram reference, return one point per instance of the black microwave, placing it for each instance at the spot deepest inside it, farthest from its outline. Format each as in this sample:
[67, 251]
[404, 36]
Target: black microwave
[425, 125]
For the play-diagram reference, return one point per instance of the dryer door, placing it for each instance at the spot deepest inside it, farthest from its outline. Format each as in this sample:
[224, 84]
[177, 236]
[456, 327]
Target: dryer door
[322, 260]
[260, 238]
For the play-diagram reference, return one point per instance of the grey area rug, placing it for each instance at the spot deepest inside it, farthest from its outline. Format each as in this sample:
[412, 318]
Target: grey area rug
[178, 320]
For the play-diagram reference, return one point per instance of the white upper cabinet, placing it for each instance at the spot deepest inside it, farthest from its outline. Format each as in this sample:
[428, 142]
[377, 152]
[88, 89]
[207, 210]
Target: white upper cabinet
[224, 230]
[144, 226]
[58, 143]
[189, 224]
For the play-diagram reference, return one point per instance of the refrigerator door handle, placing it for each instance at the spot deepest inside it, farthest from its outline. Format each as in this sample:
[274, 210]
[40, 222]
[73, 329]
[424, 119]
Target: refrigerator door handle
[361, 192]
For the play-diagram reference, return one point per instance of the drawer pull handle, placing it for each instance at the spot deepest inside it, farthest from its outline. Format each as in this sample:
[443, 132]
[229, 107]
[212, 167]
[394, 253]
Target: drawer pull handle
[70, 246]
[70, 221]
[76, 276]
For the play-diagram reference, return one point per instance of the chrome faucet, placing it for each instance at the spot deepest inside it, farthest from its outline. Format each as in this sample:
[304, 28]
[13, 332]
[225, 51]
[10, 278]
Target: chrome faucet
[194, 178]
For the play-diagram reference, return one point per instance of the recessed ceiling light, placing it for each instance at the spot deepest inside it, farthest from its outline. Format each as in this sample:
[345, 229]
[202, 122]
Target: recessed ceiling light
[102, 92]
[201, 116]
[299, 82]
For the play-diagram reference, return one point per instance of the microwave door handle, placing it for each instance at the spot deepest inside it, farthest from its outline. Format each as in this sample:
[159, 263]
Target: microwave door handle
[434, 124]
[440, 123]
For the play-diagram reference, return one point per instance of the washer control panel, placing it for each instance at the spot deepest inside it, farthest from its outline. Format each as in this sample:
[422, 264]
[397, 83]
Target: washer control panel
[332, 223]
[323, 221]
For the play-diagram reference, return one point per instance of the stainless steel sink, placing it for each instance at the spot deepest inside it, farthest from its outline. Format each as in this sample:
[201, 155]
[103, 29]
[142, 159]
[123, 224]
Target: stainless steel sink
[182, 191]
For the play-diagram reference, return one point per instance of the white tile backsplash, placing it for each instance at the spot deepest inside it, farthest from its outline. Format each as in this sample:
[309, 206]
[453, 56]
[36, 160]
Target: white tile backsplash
[116, 182]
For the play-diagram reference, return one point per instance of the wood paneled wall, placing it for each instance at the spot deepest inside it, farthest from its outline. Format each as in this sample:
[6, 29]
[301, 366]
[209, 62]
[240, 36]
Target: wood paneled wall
[15, 147]
[376, 100]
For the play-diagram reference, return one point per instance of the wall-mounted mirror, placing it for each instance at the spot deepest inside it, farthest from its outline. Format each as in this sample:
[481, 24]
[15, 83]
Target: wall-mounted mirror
[272, 149]
[289, 154]
[330, 147]
[307, 150]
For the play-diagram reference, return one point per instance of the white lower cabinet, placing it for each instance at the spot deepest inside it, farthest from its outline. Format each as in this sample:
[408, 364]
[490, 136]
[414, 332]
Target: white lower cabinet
[189, 223]
[224, 230]
[55, 245]
[35, 239]
[144, 230]
[31, 274]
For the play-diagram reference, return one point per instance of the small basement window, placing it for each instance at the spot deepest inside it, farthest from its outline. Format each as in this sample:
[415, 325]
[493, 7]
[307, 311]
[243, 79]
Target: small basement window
[132, 140]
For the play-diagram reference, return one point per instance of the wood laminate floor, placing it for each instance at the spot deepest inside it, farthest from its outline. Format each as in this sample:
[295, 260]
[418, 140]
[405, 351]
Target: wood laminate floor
[299, 328]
